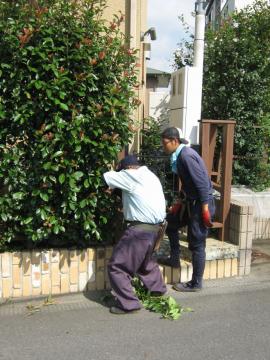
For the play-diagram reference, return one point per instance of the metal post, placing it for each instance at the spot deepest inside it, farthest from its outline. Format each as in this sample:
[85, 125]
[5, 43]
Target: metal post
[199, 50]
[199, 34]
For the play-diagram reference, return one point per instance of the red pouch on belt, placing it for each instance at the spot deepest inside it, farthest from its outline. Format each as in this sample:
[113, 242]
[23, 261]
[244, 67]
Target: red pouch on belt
[175, 208]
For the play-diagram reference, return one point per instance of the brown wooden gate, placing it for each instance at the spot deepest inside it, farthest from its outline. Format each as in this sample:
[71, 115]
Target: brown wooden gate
[219, 165]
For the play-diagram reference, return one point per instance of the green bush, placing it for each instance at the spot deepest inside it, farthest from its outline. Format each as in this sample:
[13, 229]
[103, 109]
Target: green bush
[152, 155]
[66, 99]
[237, 86]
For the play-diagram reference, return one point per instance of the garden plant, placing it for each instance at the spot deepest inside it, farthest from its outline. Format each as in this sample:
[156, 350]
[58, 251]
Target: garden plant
[67, 95]
[236, 85]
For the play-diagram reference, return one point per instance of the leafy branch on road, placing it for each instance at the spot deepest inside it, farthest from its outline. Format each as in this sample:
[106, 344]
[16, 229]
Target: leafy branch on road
[37, 308]
[165, 305]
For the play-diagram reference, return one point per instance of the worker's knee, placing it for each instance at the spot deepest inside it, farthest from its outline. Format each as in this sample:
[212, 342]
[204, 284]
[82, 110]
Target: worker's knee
[197, 247]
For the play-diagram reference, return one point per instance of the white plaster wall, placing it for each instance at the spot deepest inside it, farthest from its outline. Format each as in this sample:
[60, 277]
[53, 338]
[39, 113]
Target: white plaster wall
[158, 104]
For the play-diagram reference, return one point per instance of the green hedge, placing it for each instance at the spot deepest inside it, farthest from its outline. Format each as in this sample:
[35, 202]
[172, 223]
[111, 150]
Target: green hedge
[66, 99]
[237, 86]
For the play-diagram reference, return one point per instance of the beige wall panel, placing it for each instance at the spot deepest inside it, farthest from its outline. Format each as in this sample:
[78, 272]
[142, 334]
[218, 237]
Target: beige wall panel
[113, 8]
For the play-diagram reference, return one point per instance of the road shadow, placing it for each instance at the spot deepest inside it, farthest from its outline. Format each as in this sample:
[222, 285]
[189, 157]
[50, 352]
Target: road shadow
[101, 297]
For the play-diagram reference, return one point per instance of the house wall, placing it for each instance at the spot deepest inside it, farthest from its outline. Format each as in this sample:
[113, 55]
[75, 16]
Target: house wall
[135, 12]
[223, 9]
[228, 8]
[159, 105]
[152, 83]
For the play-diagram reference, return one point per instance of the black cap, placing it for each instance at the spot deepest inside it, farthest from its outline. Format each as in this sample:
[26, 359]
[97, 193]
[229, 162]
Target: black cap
[129, 160]
[173, 133]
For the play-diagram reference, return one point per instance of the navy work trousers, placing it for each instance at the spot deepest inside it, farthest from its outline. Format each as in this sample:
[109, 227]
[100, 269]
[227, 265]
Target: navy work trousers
[132, 256]
[196, 234]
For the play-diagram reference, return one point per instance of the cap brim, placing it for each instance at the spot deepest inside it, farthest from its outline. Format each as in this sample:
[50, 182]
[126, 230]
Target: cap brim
[183, 141]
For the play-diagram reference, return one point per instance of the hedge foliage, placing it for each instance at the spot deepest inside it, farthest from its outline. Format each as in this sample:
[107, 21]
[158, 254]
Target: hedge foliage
[237, 86]
[152, 155]
[67, 81]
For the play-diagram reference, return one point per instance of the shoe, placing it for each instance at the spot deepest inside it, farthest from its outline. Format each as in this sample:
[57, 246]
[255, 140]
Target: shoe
[189, 286]
[169, 262]
[118, 311]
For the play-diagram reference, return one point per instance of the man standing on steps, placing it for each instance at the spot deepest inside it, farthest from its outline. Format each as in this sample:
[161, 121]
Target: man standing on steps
[200, 207]
[144, 212]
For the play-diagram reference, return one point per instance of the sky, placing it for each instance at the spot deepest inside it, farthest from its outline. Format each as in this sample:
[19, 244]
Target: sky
[163, 15]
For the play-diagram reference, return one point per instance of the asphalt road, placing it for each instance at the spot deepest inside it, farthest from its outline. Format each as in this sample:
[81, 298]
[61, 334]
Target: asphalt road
[230, 321]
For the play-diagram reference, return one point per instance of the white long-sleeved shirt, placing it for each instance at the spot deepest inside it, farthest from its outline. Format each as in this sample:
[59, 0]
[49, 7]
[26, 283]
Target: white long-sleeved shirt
[142, 194]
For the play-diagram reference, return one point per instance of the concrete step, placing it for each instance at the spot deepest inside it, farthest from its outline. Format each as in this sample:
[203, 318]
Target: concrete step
[221, 260]
[172, 275]
[215, 250]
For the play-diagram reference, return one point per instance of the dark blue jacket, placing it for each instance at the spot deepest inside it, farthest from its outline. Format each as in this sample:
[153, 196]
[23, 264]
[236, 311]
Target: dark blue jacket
[193, 175]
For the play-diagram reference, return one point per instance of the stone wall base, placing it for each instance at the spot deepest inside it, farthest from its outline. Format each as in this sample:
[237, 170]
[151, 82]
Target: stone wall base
[214, 269]
[26, 274]
[36, 273]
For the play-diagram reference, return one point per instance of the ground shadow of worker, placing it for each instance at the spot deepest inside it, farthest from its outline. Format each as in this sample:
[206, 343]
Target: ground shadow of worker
[102, 297]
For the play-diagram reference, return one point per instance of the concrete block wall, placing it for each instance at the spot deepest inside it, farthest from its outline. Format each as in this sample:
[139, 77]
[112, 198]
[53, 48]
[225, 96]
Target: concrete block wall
[26, 274]
[37, 273]
[214, 269]
[241, 233]
[30, 274]
[261, 228]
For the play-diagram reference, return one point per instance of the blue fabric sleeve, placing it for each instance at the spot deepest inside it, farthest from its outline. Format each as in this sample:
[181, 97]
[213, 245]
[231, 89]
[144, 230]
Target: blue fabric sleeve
[198, 174]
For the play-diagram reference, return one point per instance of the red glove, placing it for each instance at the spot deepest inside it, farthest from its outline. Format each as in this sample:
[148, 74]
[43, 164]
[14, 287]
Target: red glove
[175, 208]
[206, 217]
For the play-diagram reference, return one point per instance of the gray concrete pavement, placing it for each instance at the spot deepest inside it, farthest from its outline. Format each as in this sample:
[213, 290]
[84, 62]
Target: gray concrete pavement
[230, 321]
[261, 257]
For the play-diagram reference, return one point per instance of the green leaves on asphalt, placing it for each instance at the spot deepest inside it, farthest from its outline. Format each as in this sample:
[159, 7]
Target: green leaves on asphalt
[164, 305]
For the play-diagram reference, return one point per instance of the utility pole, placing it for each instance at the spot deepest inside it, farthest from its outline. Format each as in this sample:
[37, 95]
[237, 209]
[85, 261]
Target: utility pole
[199, 50]
[186, 96]
[199, 34]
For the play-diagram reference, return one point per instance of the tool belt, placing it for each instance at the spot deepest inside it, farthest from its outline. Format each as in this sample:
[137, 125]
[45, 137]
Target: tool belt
[160, 235]
[182, 216]
[143, 226]
[159, 229]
